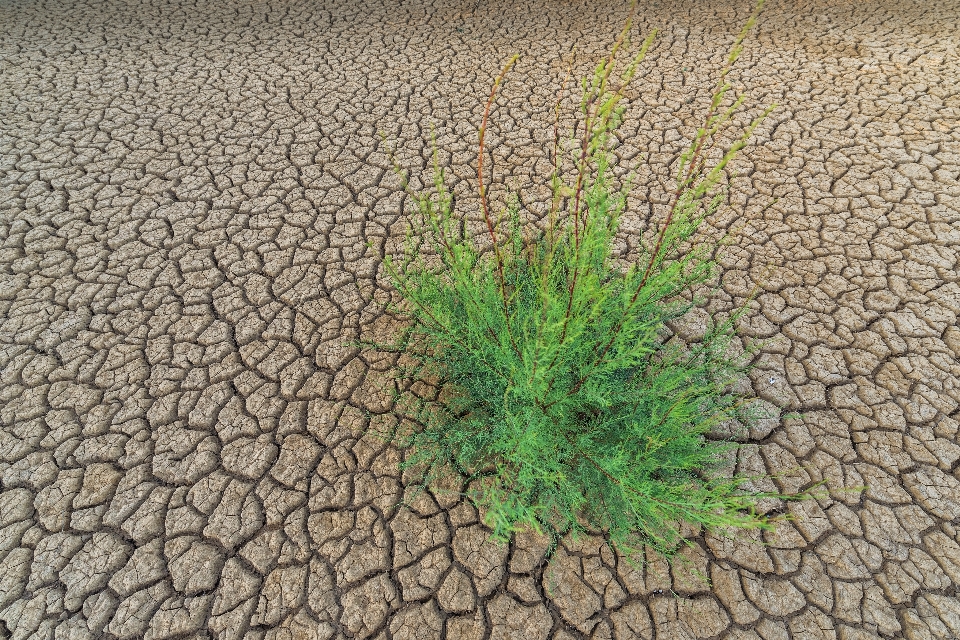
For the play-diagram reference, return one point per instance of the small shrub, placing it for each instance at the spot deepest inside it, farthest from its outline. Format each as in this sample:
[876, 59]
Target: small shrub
[563, 390]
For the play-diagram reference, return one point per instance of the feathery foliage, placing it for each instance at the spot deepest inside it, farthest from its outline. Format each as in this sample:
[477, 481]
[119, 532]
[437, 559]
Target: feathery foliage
[564, 390]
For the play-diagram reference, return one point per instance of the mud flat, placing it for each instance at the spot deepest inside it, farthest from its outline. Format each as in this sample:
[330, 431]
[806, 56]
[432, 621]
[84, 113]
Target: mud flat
[194, 204]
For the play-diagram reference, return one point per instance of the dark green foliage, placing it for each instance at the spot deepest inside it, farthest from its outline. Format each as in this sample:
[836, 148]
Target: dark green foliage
[563, 388]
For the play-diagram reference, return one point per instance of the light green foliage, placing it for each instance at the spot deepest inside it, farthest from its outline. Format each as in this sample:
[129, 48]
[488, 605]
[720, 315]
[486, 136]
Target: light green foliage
[564, 390]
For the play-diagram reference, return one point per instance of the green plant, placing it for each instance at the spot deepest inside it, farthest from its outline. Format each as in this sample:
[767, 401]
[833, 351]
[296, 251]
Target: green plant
[563, 390]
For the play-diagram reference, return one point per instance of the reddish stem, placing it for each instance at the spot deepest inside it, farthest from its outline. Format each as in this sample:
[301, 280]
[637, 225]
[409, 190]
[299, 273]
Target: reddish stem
[483, 191]
[485, 206]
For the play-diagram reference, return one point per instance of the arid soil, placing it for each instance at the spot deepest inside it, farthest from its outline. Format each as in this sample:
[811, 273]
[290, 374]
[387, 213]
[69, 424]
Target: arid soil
[195, 200]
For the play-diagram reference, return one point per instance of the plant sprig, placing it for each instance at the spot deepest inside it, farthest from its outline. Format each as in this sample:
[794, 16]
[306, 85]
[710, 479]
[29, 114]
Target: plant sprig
[565, 392]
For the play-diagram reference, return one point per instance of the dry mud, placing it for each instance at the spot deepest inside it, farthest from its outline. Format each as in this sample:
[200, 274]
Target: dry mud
[195, 204]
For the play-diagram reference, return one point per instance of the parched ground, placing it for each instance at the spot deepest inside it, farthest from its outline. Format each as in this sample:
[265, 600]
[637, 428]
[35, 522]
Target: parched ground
[195, 204]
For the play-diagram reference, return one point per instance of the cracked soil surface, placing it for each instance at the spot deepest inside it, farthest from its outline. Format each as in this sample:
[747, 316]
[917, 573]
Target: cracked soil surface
[194, 205]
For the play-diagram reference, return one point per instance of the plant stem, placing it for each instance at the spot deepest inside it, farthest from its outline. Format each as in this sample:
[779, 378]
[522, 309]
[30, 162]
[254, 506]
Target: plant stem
[483, 199]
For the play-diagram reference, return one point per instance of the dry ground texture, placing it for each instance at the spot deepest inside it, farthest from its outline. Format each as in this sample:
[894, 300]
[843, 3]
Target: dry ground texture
[195, 203]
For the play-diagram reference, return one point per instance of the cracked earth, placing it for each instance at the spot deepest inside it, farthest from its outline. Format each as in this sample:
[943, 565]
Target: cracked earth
[195, 205]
